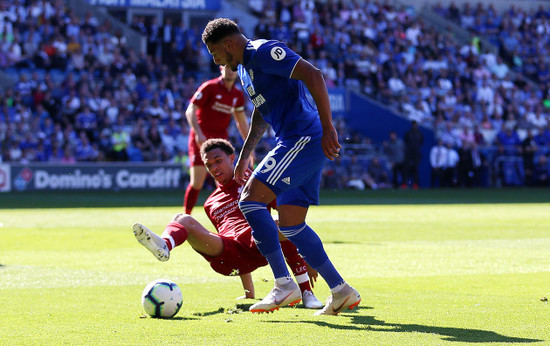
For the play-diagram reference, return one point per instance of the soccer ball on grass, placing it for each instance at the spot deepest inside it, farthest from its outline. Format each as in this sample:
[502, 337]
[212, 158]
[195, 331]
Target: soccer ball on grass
[162, 299]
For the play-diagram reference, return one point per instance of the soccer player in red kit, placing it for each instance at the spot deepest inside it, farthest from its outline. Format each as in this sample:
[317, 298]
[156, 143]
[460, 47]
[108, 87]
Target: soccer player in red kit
[209, 115]
[232, 251]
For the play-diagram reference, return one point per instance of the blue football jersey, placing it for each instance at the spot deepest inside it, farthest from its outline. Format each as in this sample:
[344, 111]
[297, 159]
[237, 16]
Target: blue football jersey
[282, 101]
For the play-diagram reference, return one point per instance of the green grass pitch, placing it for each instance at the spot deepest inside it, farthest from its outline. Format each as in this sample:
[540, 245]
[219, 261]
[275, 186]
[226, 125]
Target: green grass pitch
[433, 268]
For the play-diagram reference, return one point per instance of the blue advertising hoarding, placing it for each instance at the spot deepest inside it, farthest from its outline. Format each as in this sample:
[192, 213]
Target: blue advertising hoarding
[91, 176]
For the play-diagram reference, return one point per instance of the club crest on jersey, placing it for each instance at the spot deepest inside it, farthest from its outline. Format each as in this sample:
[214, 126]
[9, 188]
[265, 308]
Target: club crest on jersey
[277, 53]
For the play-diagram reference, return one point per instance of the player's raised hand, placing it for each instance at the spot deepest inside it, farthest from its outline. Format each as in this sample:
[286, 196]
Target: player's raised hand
[329, 142]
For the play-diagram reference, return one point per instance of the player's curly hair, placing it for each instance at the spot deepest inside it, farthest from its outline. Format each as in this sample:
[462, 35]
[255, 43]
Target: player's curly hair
[218, 29]
[214, 143]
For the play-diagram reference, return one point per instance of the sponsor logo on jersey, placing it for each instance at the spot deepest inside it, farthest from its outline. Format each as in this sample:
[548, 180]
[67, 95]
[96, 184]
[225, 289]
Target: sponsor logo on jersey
[222, 108]
[286, 180]
[258, 100]
[277, 53]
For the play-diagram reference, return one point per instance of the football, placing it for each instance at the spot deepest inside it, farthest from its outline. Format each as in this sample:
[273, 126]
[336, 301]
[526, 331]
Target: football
[162, 299]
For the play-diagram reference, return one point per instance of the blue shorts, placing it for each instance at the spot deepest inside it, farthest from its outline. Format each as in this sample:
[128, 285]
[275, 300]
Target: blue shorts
[292, 170]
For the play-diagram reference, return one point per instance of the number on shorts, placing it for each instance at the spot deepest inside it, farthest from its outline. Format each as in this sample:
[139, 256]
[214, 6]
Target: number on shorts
[269, 164]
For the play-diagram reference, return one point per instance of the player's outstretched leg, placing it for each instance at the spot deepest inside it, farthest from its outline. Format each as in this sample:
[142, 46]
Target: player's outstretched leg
[151, 242]
[346, 298]
[280, 295]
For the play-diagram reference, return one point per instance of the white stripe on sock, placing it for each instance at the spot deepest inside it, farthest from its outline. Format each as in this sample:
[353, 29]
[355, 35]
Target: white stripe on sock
[283, 280]
[292, 232]
[338, 288]
[171, 240]
[301, 278]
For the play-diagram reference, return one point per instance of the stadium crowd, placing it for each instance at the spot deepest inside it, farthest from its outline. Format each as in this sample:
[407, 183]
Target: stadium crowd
[83, 95]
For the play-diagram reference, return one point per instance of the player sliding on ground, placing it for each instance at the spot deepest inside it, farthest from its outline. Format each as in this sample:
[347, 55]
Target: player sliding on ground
[232, 251]
[275, 79]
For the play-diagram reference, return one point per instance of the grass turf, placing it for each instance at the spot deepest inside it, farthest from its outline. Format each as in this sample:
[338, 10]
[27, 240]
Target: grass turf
[429, 274]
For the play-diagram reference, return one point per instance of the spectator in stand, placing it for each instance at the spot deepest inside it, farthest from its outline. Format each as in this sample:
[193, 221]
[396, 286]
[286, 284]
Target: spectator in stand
[509, 139]
[541, 172]
[68, 156]
[85, 151]
[438, 161]
[471, 166]
[86, 121]
[120, 140]
[378, 173]
[528, 150]
[394, 149]
[356, 174]
[543, 140]
[413, 140]
[451, 166]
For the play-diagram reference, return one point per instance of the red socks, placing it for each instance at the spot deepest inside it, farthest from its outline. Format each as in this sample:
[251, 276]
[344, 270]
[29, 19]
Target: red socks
[297, 264]
[191, 196]
[174, 235]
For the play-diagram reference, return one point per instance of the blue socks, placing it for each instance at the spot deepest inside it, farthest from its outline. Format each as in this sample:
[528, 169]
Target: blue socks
[311, 248]
[266, 236]
[265, 233]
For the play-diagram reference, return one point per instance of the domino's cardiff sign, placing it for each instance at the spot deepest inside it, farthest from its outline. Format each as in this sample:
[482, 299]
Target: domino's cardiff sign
[92, 177]
[208, 5]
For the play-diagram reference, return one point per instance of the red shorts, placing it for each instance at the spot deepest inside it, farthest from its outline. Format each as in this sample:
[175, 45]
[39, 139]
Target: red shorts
[236, 258]
[194, 151]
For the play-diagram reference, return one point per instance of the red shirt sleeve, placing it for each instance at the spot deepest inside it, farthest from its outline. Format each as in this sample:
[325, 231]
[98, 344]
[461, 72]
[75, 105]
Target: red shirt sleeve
[202, 95]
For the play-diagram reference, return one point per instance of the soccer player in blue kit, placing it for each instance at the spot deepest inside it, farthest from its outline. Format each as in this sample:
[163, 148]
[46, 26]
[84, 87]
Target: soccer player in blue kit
[275, 78]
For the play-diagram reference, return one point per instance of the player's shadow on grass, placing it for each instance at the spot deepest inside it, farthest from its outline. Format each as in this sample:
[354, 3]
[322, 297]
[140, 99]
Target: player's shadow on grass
[338, 242]
[370, 323]
[179, 318]
[220, 311]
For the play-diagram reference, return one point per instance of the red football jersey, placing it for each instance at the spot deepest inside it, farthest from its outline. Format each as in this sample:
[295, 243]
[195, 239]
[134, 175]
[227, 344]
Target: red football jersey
[222, 207]
[216, 106]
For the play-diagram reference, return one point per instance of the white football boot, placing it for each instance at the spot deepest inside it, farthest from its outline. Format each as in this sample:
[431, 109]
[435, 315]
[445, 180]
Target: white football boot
[347, 298]
[280, 295]
[151, 242]
[310, 301]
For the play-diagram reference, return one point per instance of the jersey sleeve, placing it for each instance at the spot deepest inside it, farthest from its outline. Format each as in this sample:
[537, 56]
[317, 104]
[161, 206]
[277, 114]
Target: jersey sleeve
[201, 95]
[276, 58]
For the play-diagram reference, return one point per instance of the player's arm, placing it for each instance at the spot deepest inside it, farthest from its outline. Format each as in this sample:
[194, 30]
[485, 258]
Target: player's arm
[314, 81]
[248, 286]
[191, 115]
[242, 126]
[258, 126]
[242, 122]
